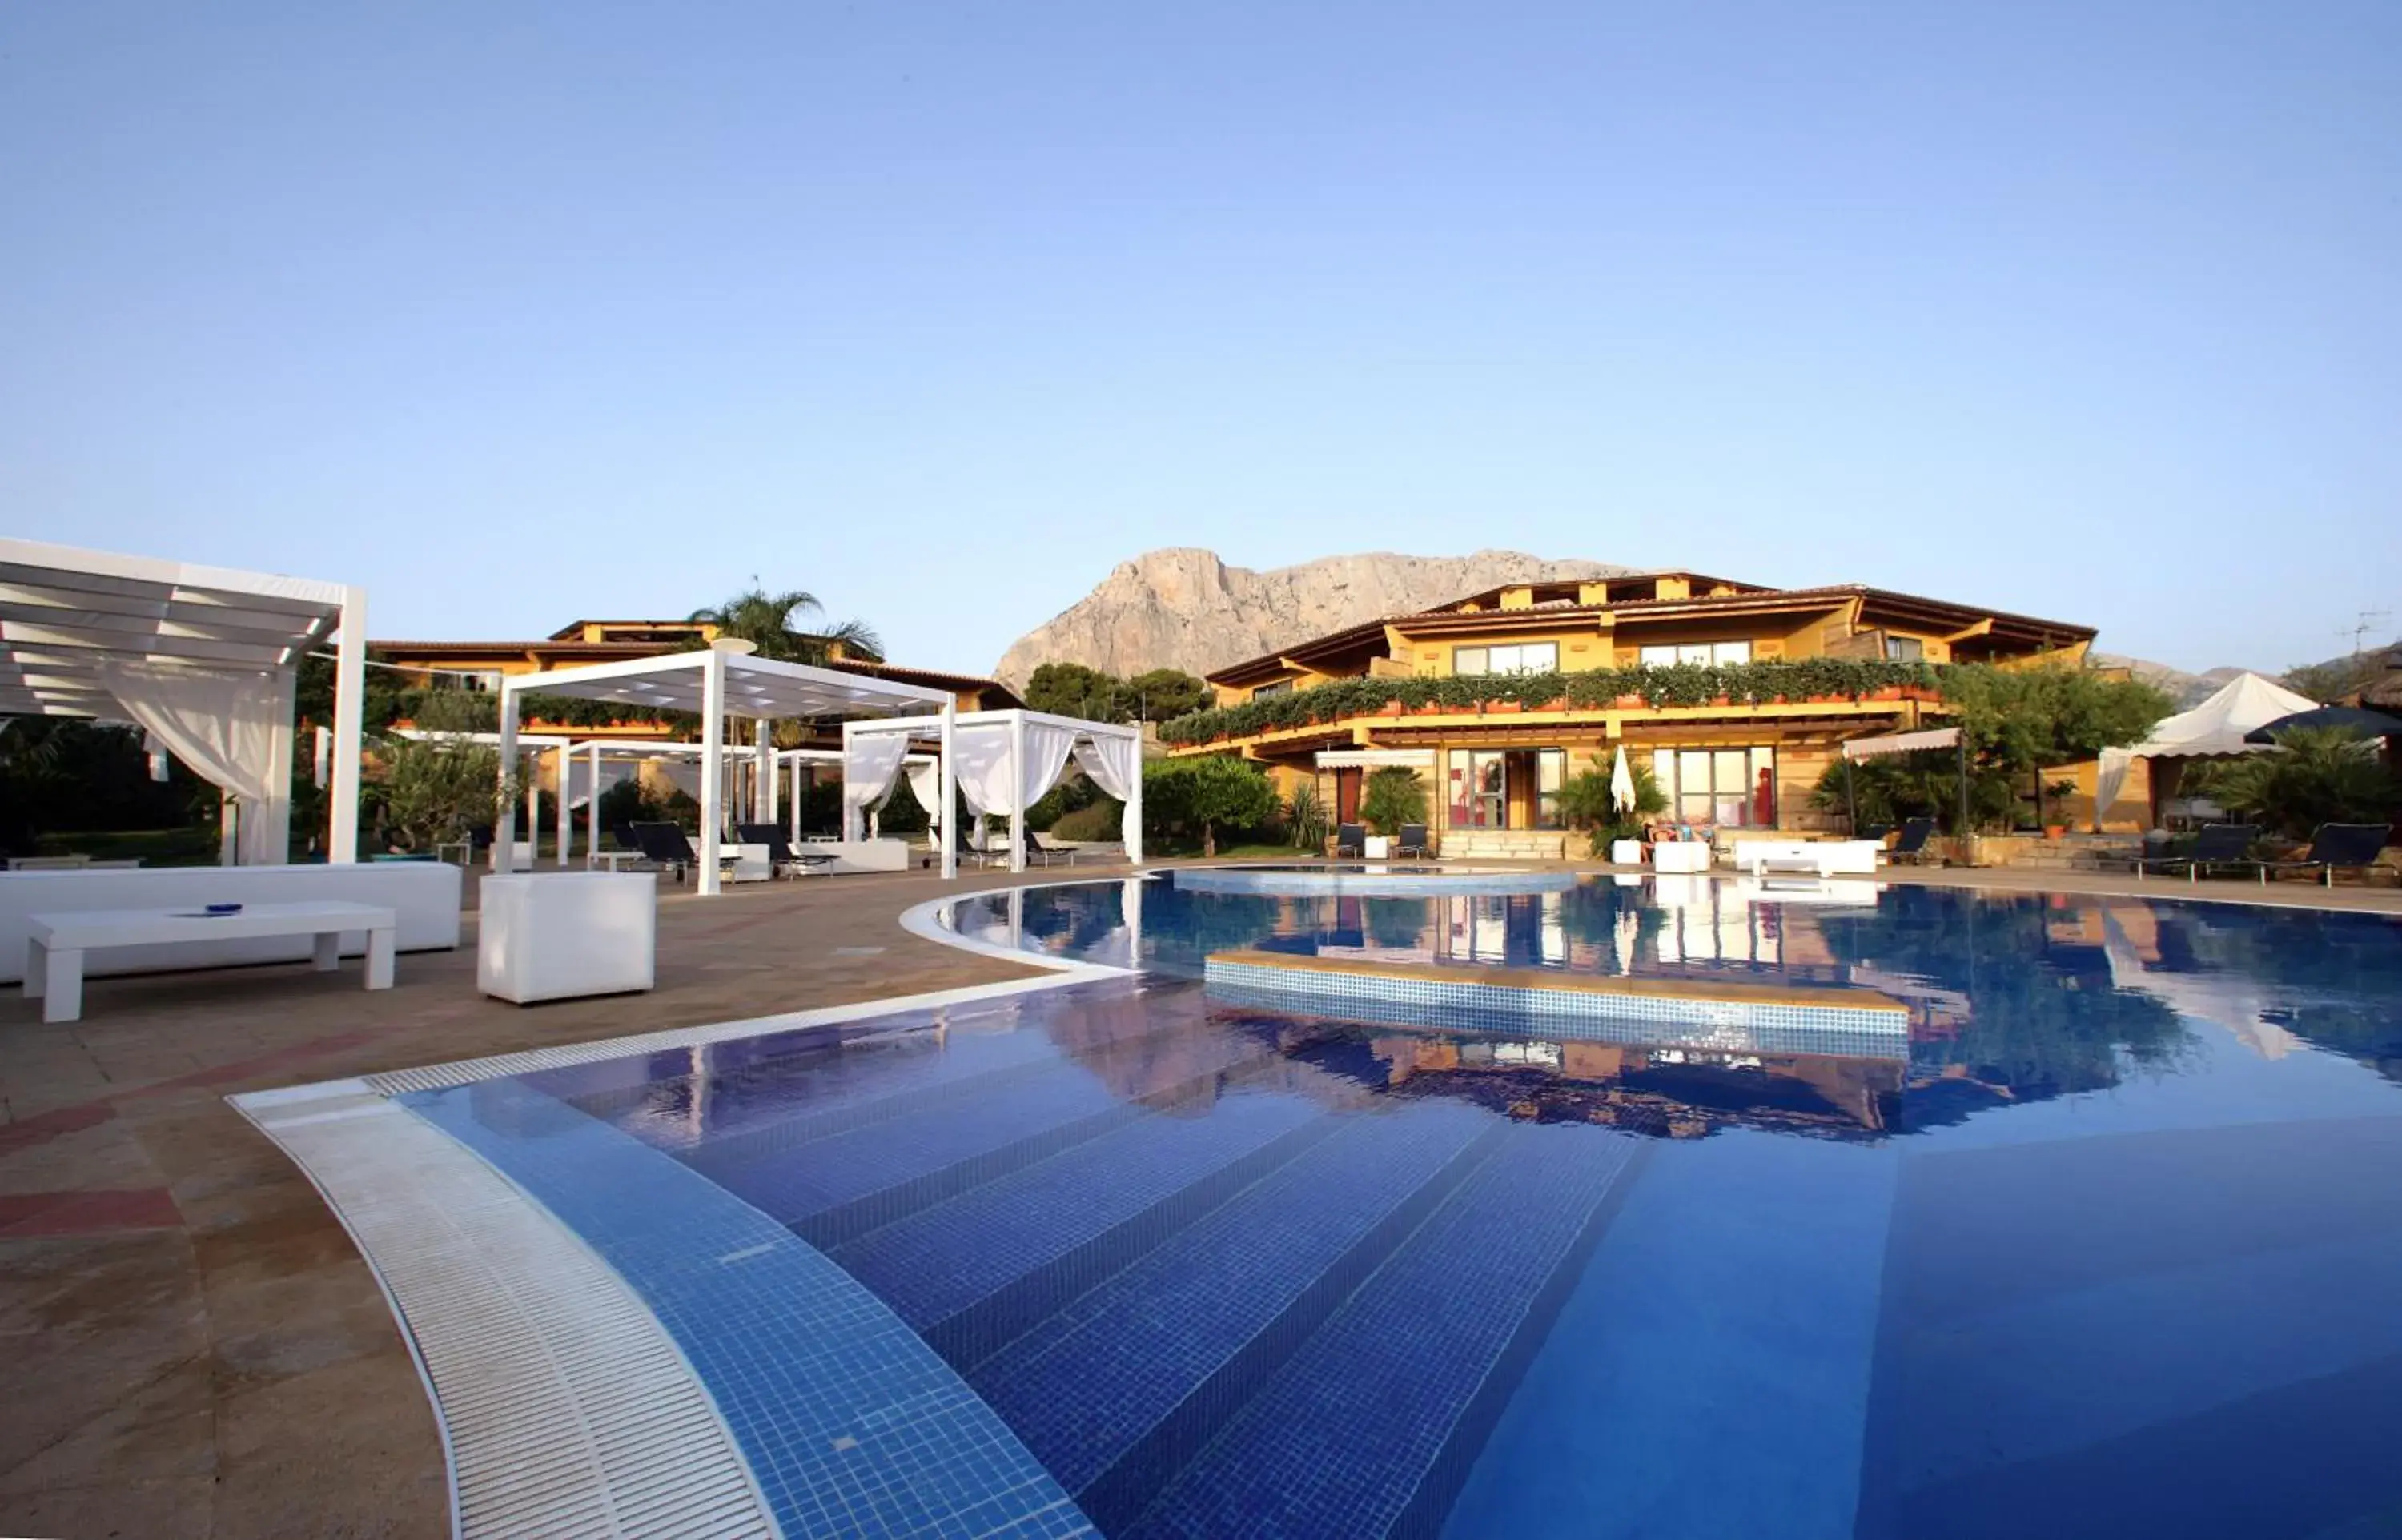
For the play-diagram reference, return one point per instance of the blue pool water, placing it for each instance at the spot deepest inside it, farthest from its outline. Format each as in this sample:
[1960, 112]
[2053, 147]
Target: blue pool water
[2109, 1245]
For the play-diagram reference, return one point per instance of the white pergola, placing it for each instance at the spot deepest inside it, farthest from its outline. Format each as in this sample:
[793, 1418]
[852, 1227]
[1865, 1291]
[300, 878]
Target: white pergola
[716, 682]
[79, 629]
[1014, 723]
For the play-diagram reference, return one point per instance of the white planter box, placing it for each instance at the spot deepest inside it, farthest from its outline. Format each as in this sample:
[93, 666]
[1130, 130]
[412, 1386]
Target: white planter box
[1626, 852]
[1378, 847]
[566, 934]
[1684, 856]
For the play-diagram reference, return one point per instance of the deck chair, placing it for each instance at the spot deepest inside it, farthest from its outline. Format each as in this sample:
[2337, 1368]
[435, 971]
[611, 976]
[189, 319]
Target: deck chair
[667, 847]
[1051, 850]
[1350, 838]
[2349, 846]
[2218, 845]
[781, 858]
[1912, 847]
[1412, 840]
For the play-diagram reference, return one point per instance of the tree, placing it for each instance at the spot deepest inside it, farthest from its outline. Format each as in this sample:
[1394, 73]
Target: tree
[1162, 694]
[1393, 796]
[1210, 793]
[769, 622]
[1073, 690]
[429, 790]
[2314, 776]
[2016, 720]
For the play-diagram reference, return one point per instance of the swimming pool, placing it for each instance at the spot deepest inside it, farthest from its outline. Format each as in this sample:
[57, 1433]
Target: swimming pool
[2106, 1240]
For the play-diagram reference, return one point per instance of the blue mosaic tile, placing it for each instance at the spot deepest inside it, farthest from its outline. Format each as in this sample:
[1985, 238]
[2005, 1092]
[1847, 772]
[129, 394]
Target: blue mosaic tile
[851, 1422]
[947, 1258]
[1371, 1409]
[1118, 1389]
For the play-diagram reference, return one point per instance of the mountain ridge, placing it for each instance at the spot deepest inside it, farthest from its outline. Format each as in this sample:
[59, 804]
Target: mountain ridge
[1186, 608]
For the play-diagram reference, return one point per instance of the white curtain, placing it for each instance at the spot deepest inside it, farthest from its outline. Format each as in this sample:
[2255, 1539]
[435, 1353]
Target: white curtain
[926, 785]
[985, 769]
[221, 724]
[870, 761]
[2109, 776]
[1115, 764]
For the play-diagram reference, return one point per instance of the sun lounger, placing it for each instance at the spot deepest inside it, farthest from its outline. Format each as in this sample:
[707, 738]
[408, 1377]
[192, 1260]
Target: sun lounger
[1350, 838]
[2346, 846]
[1051, 850]
[669, 848]
[782, 857]
[2218, 845]
[1912, 847]
[1411, 840]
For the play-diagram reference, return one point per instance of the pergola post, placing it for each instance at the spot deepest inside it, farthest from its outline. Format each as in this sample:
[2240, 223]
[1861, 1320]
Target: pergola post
[949, 837]
[276, 811]
[505, 829]
[763, 807]
[1016, 794]
[566, 827]
[592, 808]
[1130, 824]
[350, 691]
[712, 768]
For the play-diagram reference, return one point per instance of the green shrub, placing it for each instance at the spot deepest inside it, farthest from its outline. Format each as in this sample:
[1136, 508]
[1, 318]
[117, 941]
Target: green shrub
[1096, 820]
[1393, 796]
[1205, 794]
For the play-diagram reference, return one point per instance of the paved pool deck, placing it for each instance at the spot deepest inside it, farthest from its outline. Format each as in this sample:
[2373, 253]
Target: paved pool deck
[195, 1349]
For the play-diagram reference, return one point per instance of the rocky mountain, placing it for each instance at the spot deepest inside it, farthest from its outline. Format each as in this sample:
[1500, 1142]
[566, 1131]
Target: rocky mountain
[2187, 690]
[1185, 609]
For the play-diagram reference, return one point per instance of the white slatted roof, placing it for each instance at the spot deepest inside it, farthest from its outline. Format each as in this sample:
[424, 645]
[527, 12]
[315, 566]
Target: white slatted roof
[754, 687]
[64, 611]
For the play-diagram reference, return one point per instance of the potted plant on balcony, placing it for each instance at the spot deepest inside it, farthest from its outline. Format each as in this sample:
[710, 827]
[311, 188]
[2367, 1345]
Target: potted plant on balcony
[1393, 796]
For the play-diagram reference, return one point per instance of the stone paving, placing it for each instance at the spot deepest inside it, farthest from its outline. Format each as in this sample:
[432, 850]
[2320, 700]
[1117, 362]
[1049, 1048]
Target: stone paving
[193, 1346]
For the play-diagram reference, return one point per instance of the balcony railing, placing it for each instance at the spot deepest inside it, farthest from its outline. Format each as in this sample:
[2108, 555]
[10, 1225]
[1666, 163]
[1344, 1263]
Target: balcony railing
[1792, 680]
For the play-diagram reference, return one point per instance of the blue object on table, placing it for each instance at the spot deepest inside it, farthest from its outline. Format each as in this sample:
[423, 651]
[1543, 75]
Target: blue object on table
[225, 909]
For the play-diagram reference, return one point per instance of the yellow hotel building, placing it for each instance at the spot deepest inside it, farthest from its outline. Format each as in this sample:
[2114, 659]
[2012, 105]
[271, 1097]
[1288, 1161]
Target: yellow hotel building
[1495, 767]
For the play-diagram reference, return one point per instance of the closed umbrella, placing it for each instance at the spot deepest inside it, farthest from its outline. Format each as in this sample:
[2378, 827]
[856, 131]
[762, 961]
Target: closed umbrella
[1621, 783]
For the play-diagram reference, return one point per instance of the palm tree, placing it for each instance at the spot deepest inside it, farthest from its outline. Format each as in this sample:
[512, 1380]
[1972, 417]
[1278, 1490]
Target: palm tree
[768, 622]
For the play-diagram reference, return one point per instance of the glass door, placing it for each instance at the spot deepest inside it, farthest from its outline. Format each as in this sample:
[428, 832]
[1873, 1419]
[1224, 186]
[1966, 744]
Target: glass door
[1478, 783]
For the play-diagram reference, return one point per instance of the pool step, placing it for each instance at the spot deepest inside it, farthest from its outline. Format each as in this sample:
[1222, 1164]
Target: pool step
[1000, 1256]
[921, 1151]
[1118, 1390]
[1369, 1427]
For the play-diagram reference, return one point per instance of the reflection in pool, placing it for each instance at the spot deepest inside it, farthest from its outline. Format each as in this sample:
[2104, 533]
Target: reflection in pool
[2107, 1242]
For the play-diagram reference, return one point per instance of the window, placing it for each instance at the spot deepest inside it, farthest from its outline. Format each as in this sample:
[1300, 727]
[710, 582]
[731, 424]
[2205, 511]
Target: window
[1478, 787]
[1550, 773]
[486, 679]
[1721, 788]
[1904, 649]
[1668, 654]
[1531, 657]
[1281, 687]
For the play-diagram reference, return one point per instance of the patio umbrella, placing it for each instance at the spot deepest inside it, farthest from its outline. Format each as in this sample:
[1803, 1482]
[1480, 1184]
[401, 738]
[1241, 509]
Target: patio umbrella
[2375, 724]
[1621, 783]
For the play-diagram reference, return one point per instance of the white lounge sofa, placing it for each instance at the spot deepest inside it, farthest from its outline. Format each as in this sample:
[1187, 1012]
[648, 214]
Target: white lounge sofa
[424, 897]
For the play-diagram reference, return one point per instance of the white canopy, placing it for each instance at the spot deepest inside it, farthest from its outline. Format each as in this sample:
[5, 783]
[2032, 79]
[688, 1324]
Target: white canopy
[1001, 762]
[2213, 729]
[718, 681]
[2217, 725]
[1902, 743]
[204, 658]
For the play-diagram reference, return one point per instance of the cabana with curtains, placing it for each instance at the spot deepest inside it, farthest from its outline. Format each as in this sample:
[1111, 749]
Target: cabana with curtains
[1003, 762]
[203, 659]
[719, 681]
[2215, 729]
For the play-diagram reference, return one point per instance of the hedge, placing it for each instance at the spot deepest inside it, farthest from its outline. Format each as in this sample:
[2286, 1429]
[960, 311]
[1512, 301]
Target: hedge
[1683, 684]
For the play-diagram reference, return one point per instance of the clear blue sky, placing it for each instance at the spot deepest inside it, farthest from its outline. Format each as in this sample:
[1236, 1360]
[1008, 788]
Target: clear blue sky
[520, 313]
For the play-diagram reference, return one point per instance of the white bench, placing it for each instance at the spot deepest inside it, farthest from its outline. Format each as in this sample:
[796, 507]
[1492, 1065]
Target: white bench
[56, 944]
[1821, 857]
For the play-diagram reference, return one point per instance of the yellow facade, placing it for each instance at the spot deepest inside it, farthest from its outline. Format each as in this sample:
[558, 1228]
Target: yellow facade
[1748, 763]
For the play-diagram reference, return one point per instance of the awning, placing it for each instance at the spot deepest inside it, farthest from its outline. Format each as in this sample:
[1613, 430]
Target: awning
[1902, 743]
